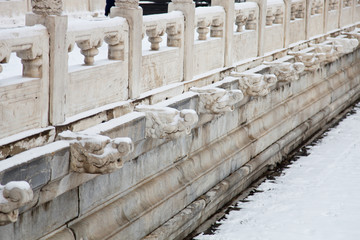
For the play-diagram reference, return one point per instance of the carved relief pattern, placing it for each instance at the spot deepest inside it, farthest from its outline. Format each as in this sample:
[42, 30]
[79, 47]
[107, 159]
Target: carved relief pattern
[331, 51]
[285, 71]
[47, 7]
[255, 84]
[13, 195]
[168, 123]
[216, 100]
[96, 154]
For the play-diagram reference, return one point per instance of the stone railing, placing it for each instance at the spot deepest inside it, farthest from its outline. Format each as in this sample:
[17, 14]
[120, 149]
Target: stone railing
[24, 99]
[163, 36]
[247, 30]
[275, 25]
[15, 8]
[297, 20]
[109, 81]
[139, 56]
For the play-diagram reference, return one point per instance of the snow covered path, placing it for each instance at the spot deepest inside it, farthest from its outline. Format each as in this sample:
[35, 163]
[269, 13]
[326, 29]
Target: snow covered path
[317, 198]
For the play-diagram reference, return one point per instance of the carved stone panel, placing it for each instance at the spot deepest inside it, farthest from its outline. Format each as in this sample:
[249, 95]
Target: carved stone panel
[216, 100]
[97, 154]
[255, 84]
[285, 71]
[47, 7]
[167, 123]
[13, 195]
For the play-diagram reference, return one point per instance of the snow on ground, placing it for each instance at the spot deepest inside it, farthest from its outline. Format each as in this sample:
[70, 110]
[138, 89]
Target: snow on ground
[317, 198]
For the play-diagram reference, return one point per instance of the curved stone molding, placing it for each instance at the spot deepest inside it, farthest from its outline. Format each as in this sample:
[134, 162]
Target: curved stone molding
[167, 123]
[311, 60]
[47, 7]
[285, 71]
[13, 196]
[216, 100]
[348, 44]
[255, 84]
[96, 154]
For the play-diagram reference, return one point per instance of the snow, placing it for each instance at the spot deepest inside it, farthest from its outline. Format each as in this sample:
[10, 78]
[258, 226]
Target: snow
[17, 184]
[316, 198]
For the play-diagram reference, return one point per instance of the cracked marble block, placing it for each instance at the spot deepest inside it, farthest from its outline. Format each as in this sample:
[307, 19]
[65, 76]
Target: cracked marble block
[97, 154]
[166, 122]
[216, 100]
[256, 85]
[285, 71]
[13, 196]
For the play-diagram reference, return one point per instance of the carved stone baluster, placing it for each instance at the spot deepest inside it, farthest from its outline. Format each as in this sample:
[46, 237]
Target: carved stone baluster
[13, 196]
[31, 60]
[167, 123]
[313, 8]
[89, 49]
[217, 28]
[294, 9]
[251, 21]
[216, 100]
[300, 11]
[155, 39]
[318, 9]
[32, 67]
[173, 36]
[278, 19]
[240, 22]
[202, 29]
[269, 18]
[116, 46]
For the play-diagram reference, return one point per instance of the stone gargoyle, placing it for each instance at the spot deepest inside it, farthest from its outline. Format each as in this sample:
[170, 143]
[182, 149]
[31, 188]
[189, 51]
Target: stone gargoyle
[331, 51]
[13, 195]
[256, 85]
[286, 71]
[348, 44]
[166, 122]
[311, 60]
[217, 100]
[96, 154]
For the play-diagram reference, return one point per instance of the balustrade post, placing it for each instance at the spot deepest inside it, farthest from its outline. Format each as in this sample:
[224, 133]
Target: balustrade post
[130, 10]
[262, 22]
[187, 7]
[49, 14]
[308, 10]
[229, 7]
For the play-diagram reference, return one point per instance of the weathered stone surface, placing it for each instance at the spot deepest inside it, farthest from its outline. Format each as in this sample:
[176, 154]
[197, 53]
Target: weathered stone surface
[43, 219]
[13, 195]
